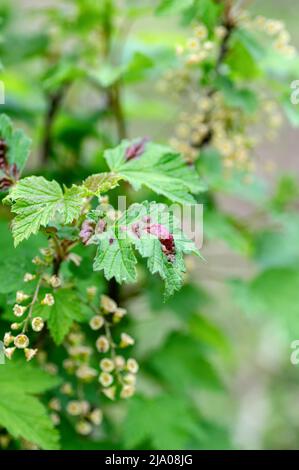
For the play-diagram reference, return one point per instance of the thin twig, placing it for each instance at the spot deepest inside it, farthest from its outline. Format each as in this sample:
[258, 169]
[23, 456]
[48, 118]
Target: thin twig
[53, 107]
[34, 300]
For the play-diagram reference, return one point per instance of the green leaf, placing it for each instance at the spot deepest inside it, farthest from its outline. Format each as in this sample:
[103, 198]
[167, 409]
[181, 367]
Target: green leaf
[17, 261]
[115, 255]
[71, 204]
[21, 413]
[37, 201]
[281, 247]
[116, 258]
[108, 75]
[17, 142]
[173, 6]
[219, 226]
[156, 167]
[286, 192]
[274, 292]
[63, 72]
[137, 67]
[204, 11]
[250, 41]
[164, 422]
[183, 364]
[12, 272]
[243, 98]
[241, 62]
[29, 378]
[101, 183]
[61, 316]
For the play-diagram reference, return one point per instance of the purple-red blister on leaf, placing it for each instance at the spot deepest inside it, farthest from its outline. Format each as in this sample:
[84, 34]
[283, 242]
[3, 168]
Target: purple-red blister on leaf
[87, 231]
[165, 238]
[137, 149]
[90, 228]
[9, 173]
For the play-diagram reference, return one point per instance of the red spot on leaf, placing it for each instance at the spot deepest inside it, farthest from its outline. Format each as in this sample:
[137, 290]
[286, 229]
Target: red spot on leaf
[136, 150]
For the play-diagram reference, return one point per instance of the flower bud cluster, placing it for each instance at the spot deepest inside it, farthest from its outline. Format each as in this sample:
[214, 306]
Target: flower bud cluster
[117, 375]
[277, 32]
[200, 46]
[84, 417]
[82, 413]
[25, 303]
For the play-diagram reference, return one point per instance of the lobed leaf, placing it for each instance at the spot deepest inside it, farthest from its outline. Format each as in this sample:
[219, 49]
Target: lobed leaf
[37, 201]
[157, 167]
[139, 227]
[21, 413]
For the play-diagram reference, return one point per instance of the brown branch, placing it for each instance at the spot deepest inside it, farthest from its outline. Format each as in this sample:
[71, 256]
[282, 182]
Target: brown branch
[229, 23]
[54, 102]
[115, 105]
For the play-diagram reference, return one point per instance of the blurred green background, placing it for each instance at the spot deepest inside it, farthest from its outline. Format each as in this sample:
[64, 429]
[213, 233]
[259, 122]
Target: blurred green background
[245, 329]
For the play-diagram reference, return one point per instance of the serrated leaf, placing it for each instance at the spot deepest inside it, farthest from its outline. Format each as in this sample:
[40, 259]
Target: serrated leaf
[72, 203]
[61, 316]
[37, 201]
[12, 272]
[27, 377]
[101, 183]
[157, 167]
[139, 227]
[21, 413]
[116, 258]
[18, 143]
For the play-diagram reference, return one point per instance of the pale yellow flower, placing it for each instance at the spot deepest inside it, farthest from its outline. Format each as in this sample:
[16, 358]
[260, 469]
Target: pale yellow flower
[9, 352]
[119, 314]
[84, 428]
[106, 379]
[8, 338]
[21, 341]
[37, 324]
[132, 365]
[29, 354]
[21, 297]
[18, 310]
[119, 362]
[48, 300]
[55, 281]
[110, 392]
[201, 31]
[107, 365]
[55, 404]
[127, 391]
[126, 340]
[130, 379]
[107, 304]
[96, 322]
[96, 416]
[84, 372]
[102, 344]
[29, 277]
[74, 408]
